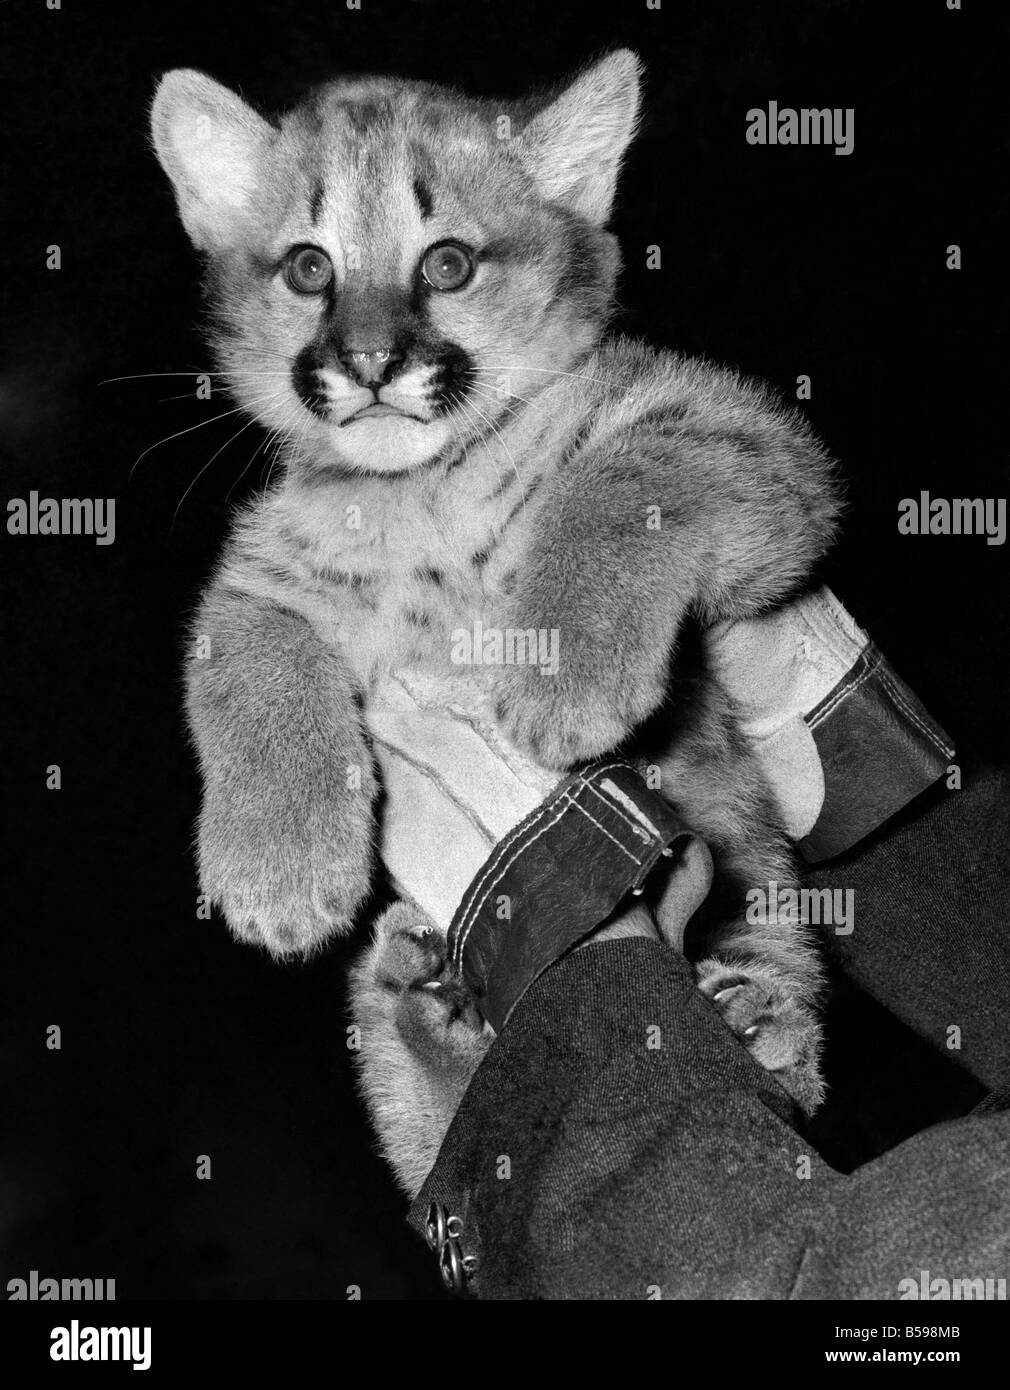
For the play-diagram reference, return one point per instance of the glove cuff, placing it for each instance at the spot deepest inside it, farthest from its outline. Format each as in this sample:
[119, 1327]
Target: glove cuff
[555, 877]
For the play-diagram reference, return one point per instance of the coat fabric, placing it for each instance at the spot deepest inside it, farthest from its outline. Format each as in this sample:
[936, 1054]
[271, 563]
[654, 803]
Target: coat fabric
[619, 1143]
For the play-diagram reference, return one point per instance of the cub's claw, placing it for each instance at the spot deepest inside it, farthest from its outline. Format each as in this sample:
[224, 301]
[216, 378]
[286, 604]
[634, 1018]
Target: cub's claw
[780, 1031]
[409, 958]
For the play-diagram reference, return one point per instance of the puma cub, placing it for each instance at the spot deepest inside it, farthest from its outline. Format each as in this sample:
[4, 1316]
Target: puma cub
[411, 290]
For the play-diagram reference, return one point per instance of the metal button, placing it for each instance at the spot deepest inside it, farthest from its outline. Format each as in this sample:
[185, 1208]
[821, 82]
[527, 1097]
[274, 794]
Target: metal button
[435, 1226]
[451, 1265]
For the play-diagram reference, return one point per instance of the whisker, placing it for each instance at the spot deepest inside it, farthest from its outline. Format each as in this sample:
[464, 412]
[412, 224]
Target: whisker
[507, 410]
[477, 437]
[179, 434]
[548, 371]
[263, 444]
[512, 395]
[298, 441]
[508, 451]
[249, 423]
[199, 425]
[270, 460]
[446, 533]
[225, 378]
[186, 396]
[482, 439]
[261, 352]
[276, 440]
[206, 371]
[146, 376]
[494, 396]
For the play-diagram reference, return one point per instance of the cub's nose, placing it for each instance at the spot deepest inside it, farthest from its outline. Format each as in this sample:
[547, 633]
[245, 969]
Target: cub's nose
[372, 368]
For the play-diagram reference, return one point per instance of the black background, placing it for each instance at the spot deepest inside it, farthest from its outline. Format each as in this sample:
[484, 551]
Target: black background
[176, 1041]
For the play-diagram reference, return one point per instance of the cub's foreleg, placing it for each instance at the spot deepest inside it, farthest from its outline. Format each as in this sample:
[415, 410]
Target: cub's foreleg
[286, 825]
[715, 513]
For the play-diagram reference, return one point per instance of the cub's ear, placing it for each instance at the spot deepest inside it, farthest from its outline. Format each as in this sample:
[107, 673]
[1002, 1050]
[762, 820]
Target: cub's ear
[212, 146]
[575, 145]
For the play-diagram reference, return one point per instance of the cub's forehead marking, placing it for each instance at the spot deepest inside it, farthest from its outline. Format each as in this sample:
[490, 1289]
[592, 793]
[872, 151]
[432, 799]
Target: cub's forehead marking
[377, 189]
[376, 202]
[423, 194]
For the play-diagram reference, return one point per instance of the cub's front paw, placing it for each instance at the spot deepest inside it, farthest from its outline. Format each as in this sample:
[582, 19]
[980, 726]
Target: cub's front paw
[286, 877]
[574, 715]
[780, 1032]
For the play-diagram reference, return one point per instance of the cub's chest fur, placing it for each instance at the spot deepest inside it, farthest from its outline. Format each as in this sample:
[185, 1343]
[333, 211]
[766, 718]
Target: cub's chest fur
[387, 568]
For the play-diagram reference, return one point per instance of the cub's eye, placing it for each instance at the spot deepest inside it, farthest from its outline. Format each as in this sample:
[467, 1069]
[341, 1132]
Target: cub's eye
[447, 266]
[308, 270]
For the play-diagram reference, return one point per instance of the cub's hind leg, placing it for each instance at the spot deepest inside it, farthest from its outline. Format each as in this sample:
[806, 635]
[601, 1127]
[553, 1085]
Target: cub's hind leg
[422, 1039]
[760, 969]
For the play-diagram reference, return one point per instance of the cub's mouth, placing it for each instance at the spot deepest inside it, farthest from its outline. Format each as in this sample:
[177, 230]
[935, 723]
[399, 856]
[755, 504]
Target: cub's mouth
[378, 410]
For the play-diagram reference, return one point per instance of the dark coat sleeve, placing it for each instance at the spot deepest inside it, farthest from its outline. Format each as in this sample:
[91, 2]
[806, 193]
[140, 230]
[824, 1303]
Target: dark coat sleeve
[618, 1142]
